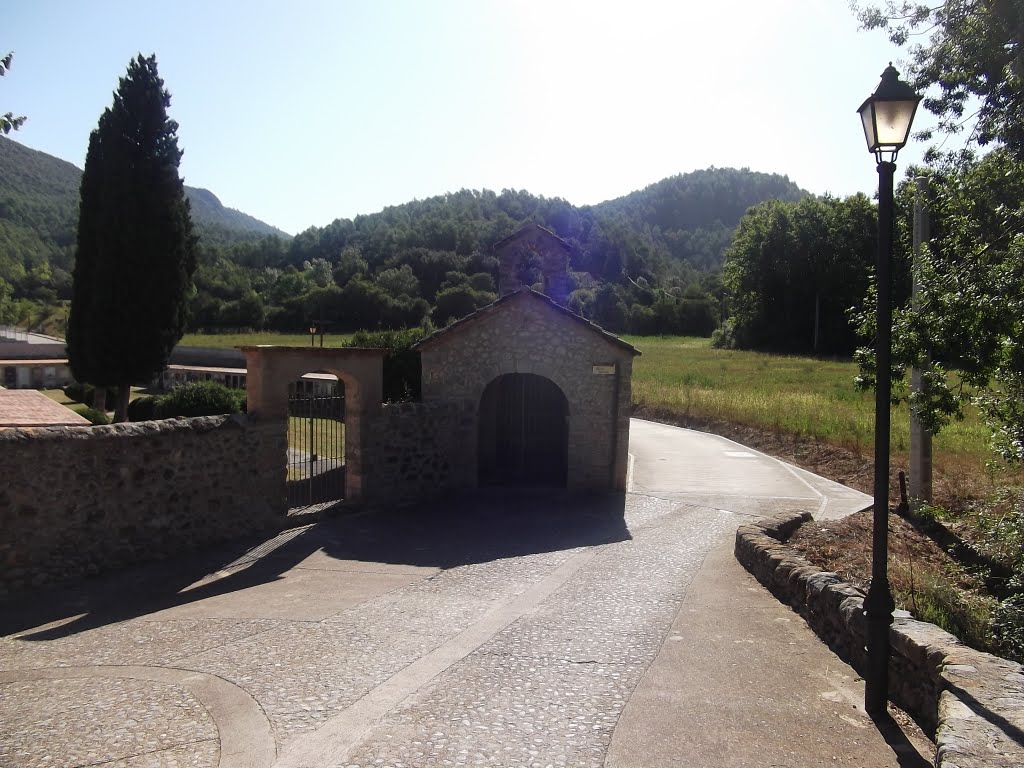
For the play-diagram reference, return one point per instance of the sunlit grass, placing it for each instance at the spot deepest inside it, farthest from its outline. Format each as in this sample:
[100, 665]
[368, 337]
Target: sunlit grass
[58, 396]
[231, 340]
[325, 437]
[809, 397]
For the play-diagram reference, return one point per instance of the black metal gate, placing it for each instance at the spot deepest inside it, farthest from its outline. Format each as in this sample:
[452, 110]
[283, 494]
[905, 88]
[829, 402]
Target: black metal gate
[316, 442]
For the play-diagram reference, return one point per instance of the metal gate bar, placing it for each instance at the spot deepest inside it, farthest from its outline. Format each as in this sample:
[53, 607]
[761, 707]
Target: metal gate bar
[316, 444]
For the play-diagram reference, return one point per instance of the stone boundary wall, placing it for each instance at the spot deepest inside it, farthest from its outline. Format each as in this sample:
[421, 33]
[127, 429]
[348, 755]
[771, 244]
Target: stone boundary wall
[78, 500]
[972, 702]
[419, 449]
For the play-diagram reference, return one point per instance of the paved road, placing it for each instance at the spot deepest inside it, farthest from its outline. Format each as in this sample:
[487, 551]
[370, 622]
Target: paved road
[509, 629]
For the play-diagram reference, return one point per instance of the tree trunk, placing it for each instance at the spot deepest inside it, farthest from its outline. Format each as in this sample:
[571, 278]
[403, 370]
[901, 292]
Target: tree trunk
[99, 399]
[121, 411]
[817, 319]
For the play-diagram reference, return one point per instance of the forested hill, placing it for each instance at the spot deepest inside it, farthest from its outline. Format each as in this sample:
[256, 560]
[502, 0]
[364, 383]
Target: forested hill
[648, 262]
[209, 213]
[39, 214]
[696, 213]
[687, 219]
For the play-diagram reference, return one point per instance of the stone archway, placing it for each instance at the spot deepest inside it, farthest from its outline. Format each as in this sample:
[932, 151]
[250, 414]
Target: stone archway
[270, 369]
[523, 432]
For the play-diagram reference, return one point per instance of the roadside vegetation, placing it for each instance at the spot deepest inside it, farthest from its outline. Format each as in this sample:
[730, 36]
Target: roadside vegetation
[957, 563]
[803, 397]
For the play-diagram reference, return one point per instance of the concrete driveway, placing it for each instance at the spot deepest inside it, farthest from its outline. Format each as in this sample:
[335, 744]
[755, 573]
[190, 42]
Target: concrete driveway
[506, 628]
[713, 471]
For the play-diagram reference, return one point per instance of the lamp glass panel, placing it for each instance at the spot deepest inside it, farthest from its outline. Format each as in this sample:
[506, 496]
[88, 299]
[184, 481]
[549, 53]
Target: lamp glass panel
[867, 118]
[893, 122]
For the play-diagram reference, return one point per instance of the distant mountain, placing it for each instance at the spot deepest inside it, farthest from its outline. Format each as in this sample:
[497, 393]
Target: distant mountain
[646, 262]
[208, 211]
[39, 211]
[685, 219]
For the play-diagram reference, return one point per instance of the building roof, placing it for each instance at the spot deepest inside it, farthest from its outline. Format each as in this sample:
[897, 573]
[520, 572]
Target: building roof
[239, 371]
[29, 408]
[523, 294]
[41, 361]
[527, 230]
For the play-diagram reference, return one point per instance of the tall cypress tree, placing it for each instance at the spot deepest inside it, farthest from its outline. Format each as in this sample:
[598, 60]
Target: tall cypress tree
[136, 250]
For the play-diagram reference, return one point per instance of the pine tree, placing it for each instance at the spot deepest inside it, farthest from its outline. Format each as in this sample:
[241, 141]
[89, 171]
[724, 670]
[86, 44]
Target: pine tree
[136, 250]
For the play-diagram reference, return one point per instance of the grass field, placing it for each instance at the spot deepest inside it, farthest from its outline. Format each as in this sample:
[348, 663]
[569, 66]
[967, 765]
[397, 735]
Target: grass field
[795, 395]
[58, 396]
[328, 437]
[801, 396]
[231, 340]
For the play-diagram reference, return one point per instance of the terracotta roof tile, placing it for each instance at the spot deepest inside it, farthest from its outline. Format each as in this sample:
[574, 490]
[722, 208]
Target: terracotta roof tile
[29, 408]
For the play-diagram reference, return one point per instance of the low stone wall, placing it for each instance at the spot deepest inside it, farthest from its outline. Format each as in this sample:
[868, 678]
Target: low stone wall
[419, 449]
[78, 500]
[972, 702]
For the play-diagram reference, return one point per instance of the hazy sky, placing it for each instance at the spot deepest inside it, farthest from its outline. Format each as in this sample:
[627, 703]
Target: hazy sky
[303, 111]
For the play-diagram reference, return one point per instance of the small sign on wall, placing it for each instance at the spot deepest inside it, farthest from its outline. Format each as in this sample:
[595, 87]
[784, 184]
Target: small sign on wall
[604, 370]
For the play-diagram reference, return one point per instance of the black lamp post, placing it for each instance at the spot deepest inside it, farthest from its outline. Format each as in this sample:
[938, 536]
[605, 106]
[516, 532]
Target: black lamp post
[312, 333]
[886, 115]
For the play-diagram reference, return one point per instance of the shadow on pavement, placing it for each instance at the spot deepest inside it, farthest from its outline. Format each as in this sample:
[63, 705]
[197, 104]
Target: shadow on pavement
[476, 527]
[908, 755]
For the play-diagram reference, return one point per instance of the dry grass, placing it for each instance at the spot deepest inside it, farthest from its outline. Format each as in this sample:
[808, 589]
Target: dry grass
[807, 412]
[803, 399]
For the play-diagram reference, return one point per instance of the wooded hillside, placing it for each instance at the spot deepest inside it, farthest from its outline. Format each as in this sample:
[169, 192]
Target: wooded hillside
[647, 262]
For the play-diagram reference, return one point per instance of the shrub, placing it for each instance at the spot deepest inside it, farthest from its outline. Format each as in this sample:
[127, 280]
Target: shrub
[402, 370]
[1008, 627]
[75, 391]
[94, 416]
[724, 337]
[143, 408]
[200, 398]
[83, 393]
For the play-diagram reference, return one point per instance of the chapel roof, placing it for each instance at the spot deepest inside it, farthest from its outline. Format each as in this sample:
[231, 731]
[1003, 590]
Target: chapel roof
[523, 294]
[529, 229]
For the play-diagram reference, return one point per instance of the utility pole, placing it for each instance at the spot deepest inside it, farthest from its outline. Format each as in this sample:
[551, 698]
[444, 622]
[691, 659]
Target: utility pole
[920, 437]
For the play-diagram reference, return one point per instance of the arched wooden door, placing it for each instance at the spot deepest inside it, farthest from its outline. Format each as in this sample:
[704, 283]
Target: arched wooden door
[523, 432]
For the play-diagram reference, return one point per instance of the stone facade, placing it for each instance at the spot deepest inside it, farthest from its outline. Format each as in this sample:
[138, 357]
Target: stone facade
[526, 332]
[534, 242]
[971, 702]
[419, 449]
[77, 500]
[271, 369]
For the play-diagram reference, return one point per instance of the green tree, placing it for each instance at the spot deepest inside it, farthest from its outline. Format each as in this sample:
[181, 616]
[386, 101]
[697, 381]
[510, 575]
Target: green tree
[136, 250]
[399, 281]
[457, 301]
[971, 66]
[8, 122]
[971, 63]
[970, 315]
[350, 264]
[793, 271]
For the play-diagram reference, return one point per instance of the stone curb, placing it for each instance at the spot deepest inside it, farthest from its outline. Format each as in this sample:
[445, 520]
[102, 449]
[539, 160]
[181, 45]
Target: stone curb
[971, 702]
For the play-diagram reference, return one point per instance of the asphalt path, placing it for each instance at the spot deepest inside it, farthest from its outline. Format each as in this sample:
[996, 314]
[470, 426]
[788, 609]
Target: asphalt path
[501, 628]
[714, 471]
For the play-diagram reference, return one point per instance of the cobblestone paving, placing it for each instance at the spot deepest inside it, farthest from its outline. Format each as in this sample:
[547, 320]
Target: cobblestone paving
[119, 722]
[302, 673]
[545, 691]
[549, 689]
[140, 641]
